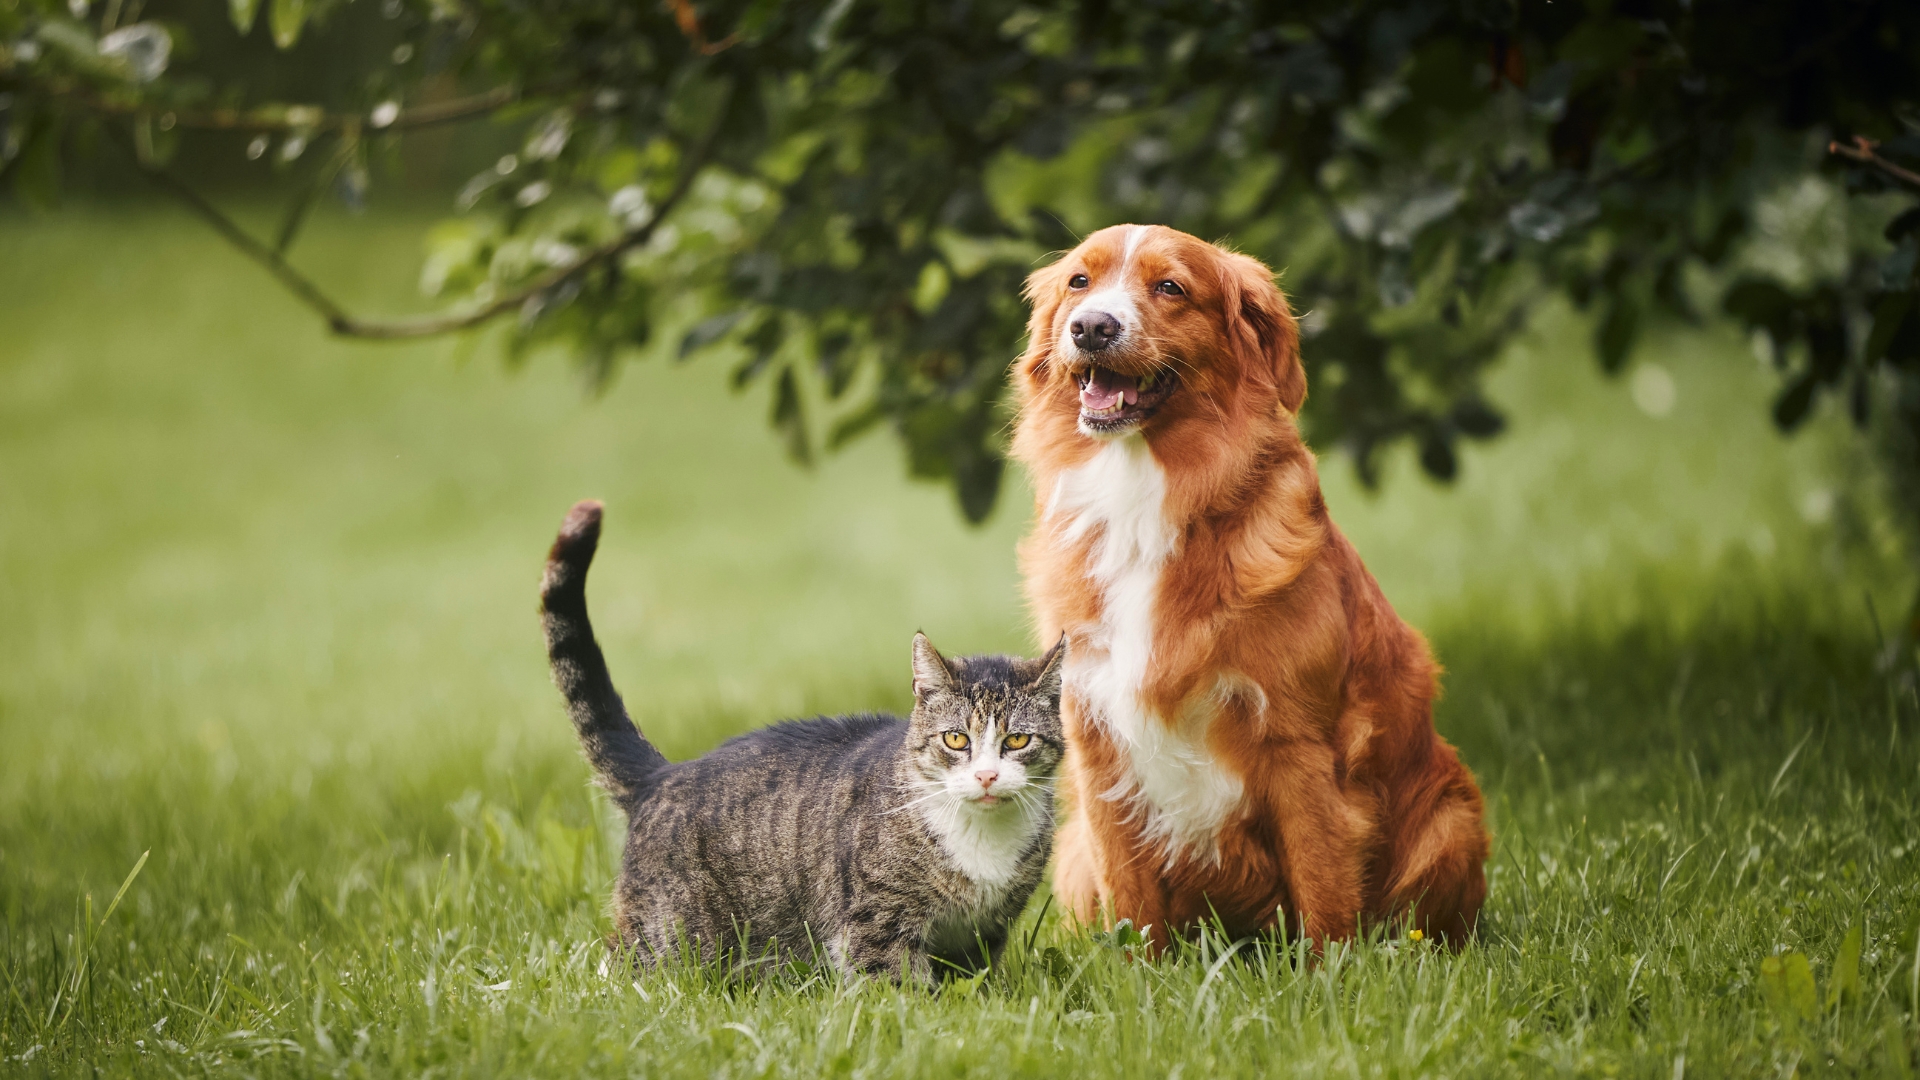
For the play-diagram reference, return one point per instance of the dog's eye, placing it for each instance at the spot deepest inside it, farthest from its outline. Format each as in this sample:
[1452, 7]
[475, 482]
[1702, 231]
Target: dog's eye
[1017, 742]
[955, 740]
[1169, 288]
[1077, 281]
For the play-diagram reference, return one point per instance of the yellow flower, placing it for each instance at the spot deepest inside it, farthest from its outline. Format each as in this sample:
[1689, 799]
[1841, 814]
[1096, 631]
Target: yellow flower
[1415, 935]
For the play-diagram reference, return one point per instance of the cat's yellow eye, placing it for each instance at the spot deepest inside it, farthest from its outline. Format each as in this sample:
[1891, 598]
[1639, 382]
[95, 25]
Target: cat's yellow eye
[1017, 742]
[956, 740]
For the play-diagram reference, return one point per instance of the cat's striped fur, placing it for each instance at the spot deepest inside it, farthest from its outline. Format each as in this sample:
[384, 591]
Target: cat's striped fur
[869, 839]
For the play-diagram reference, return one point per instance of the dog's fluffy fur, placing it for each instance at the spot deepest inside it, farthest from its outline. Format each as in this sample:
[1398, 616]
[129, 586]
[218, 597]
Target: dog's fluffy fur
[1249, 722]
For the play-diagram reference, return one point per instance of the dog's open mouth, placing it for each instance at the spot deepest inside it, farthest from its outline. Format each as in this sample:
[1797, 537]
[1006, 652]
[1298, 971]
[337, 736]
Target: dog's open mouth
[1110, 401]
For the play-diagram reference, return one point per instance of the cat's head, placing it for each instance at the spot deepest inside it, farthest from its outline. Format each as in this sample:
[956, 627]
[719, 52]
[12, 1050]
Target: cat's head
[985, 730]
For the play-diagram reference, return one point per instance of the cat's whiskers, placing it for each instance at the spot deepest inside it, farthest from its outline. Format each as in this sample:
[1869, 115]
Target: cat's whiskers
[928, 797]
[934, 791]
[1032, 798]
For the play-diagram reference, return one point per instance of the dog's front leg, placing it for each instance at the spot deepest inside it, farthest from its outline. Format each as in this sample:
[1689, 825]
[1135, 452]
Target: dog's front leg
[1078, 883]
[1130, 870]
[1326, 834]
[1076, 872]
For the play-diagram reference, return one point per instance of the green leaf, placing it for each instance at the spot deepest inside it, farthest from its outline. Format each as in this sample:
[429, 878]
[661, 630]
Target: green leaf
[764, 341]
[932, 287]
[1436, 453]
[1763, 304]
[837, 364]
[1123, 936]
[286, 19]
[855, 424]
[598, 363]
[1795, 401]
[1800, 990]
[1887, 316]
[242, 12]
[453, 249]
[1773, 988]
[77, 46]
[790, 419]
[1904, 224]
[1475, 418]
[976, 478]
[1786, 982]
[709, 330]
[755, 21]
[1614, 337]
[1844, 985]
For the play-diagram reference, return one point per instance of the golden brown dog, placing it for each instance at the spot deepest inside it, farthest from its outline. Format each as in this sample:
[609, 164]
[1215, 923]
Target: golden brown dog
[1249, 724]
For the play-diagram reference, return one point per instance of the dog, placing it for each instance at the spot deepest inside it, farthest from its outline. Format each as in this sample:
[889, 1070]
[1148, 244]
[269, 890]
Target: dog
[1249, 724]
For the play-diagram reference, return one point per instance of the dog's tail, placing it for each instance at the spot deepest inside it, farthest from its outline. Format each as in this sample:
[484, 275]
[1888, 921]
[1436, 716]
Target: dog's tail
[623, 759]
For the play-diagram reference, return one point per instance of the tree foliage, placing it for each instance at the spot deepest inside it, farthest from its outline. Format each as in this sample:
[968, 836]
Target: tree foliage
[846, 195]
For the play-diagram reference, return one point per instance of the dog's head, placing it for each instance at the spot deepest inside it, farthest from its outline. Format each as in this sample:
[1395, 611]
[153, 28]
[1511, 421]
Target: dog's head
[1142, 325]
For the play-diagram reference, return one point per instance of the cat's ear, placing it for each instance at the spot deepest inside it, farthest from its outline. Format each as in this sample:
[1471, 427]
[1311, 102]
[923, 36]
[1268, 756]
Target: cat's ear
[1046, 680]
[930, 670]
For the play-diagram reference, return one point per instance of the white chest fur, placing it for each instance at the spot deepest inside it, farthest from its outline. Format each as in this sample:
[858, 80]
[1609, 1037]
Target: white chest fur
[1173, 782]
[986, 845]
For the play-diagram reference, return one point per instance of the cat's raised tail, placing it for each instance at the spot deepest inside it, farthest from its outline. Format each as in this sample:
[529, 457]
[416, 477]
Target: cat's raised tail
[623, 759]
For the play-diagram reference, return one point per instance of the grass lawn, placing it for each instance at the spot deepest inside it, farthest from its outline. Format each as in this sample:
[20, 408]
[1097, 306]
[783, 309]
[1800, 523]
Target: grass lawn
[267, 616]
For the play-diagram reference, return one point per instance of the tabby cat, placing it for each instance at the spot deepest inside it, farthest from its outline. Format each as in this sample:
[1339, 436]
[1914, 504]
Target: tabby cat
[897, 848]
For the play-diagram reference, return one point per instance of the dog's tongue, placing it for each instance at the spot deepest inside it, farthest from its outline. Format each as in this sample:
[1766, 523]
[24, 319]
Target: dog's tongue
[1106, 388]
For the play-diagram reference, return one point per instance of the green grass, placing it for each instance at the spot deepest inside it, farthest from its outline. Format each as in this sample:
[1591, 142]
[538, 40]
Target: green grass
[266, 612]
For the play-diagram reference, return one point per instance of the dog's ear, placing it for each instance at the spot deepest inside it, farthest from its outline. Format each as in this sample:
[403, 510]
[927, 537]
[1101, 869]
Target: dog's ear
[1261, 328]
[1044, 289]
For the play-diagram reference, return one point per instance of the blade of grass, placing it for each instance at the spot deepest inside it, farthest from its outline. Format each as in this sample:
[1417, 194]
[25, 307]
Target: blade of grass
[124, 886]
[1774, 788]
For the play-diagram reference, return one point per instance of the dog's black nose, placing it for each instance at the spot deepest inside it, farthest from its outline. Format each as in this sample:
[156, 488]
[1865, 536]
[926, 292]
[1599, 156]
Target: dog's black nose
[1093, 330]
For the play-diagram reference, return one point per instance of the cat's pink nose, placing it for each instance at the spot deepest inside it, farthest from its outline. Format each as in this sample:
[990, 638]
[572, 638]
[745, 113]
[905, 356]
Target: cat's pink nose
[986, 778]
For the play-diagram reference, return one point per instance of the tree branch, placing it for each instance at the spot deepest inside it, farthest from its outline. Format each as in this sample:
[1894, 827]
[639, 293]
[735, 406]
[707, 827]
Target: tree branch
[689, 22]
[1862, 151]
[296, 282]
[305, 118]
[346, 325]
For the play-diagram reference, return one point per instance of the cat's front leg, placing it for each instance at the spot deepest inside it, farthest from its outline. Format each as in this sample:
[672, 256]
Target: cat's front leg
[883, 953]
[912, 965]
[974, 956]
[996, 947]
